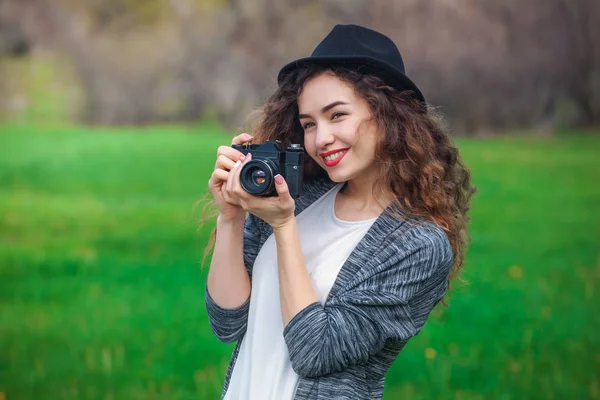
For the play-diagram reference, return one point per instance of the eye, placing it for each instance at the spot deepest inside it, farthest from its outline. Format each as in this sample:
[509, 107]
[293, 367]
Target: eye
[307, 125]
[337, 115]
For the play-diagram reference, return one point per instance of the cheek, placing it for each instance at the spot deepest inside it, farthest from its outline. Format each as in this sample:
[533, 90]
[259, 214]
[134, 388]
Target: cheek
[366, 145]
[309, 146]
[351, 132]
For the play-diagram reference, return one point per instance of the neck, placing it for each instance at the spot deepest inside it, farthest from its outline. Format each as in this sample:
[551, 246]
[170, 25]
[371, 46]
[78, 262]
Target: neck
[359, 191]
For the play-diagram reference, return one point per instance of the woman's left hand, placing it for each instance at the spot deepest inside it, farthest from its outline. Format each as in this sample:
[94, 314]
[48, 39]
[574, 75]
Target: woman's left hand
[276, 211]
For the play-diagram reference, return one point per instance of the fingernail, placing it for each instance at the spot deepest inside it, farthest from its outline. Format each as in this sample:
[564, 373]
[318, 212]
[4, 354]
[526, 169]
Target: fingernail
[237, 164]
[278, 179]
[242, 158]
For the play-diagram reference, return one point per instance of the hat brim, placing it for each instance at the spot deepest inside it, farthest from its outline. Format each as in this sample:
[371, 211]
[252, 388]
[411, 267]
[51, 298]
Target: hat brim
[366, 65]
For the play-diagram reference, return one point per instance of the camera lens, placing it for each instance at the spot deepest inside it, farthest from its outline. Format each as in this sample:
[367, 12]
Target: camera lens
[257, 177]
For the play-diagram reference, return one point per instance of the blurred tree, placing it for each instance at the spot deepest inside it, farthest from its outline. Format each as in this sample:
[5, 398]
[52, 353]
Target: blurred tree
[493, 64]
[557, 44]
[13, 40]
[579, 51]
[117, 16]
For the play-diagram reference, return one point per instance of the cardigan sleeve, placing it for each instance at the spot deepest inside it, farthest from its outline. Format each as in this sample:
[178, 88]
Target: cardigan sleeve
[229, 325]
[354, 325]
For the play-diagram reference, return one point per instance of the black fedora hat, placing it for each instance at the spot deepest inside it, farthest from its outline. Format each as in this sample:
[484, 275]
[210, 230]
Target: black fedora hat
[368, 51]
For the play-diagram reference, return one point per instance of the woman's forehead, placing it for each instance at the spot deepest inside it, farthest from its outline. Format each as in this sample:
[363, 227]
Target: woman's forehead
[322, 90]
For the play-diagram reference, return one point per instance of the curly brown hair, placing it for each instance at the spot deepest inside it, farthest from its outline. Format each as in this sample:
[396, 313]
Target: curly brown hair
[419, 164]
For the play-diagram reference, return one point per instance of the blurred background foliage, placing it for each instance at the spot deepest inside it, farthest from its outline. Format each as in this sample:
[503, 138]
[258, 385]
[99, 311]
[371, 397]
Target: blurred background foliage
[491, 65]
[111, 113]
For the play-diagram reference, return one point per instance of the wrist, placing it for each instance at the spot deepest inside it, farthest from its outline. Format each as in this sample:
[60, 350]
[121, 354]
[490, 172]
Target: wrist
[285, 226]
[238, 219]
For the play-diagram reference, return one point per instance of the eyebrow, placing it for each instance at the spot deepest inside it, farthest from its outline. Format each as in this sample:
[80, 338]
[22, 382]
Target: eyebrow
[324, 109]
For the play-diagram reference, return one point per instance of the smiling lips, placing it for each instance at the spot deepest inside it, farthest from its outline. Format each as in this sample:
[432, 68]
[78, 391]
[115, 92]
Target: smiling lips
[333, 157]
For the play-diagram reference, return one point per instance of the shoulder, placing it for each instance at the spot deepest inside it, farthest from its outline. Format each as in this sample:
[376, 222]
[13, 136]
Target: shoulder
[426, 235]
[407, 231]
[412, 260]
[422, 242]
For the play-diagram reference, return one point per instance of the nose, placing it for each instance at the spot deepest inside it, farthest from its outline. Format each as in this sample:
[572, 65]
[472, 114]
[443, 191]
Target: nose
[324, 136]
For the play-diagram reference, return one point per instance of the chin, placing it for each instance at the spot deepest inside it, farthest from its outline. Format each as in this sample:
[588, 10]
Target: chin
[338, 177]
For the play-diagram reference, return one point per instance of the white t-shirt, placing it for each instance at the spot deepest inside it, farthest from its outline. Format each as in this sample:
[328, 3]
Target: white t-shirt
[262, 370]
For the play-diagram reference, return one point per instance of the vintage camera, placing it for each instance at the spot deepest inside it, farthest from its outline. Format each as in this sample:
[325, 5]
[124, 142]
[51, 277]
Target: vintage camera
[258, 175]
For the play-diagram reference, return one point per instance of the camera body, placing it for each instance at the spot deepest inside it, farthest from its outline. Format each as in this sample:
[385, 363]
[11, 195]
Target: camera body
[257, 176]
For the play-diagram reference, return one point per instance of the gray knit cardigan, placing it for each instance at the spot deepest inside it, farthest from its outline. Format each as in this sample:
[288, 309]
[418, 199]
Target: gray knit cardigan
[381, 298]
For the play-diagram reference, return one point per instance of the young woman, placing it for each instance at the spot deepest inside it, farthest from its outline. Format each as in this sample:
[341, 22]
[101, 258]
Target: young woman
[323, 291]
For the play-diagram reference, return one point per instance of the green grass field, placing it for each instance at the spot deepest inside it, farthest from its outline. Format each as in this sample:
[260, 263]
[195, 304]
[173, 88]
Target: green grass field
[101, 291]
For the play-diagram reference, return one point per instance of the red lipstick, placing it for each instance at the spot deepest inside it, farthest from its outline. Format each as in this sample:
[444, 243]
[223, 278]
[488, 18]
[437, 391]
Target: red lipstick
[335, 161]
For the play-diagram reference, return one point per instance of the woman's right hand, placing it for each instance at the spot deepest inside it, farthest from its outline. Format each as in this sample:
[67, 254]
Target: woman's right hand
[226, 159]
